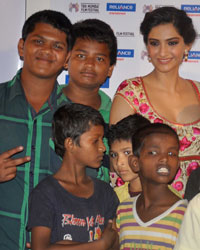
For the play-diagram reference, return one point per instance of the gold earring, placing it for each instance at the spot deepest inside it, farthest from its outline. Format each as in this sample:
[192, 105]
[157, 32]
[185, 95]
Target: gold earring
[186, 55]
[149, 58]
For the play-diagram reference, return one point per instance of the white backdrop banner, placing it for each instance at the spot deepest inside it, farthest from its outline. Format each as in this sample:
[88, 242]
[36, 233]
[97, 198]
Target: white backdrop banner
[125, 18]
[12, 17]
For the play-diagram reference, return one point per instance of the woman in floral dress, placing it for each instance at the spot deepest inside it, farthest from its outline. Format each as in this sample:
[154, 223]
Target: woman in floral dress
[163, 96]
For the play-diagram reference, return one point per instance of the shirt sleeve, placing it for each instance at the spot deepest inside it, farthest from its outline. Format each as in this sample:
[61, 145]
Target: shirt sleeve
[41, 210]
[113, 202]
[188, 237]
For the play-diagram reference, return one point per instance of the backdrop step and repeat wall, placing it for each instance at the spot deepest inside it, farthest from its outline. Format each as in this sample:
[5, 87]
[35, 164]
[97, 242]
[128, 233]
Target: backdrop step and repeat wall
[123, 16]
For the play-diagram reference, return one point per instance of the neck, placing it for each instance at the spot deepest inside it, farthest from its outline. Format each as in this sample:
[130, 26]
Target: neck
[89, 97]
[70, 171]
[37, 90]
[152, 195]
[135, 185]
[165, 81]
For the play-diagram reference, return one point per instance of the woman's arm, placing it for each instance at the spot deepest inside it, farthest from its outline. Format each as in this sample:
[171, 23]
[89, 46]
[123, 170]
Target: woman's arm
[120, 109]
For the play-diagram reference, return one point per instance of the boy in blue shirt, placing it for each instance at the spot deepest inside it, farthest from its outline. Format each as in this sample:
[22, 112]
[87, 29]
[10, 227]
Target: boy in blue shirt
[71, 210]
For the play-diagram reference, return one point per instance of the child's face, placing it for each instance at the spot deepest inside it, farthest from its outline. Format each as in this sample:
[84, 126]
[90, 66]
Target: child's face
[89, 64]
[91, 150]
[44, 51]
[119, 153]
[158, 161]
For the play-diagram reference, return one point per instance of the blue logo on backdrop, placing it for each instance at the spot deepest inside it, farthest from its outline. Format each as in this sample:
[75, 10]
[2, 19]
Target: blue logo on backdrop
[105, 85]
[125, 53]
[191, 8]
[121, 7]
[194, 55]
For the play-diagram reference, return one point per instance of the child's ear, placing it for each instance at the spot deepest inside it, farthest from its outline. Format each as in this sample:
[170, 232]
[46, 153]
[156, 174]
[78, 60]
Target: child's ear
[110, 70]
[69, 144]
[21, 48]
[66, 61]
[133, 163]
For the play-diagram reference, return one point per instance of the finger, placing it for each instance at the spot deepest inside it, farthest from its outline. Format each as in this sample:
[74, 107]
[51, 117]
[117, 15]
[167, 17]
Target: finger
[109, 225]
[11, 152]
[16, 162]
[28, 245]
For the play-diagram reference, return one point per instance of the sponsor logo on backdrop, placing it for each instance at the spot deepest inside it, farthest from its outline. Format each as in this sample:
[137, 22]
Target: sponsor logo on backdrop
[125, 53]
[191, 10]
[90, 8]
[194, 55]
[147, 8]
[105, 85]
[120, 8]
[124, 34]
[74, 7]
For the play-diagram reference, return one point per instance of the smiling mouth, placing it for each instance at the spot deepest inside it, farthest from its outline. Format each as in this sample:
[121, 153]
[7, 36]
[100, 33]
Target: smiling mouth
[164, 61]
[163, 170]
[44, 60]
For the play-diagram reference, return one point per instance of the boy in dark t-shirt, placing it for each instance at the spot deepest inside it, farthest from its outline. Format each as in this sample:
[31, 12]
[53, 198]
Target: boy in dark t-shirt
[71, 210]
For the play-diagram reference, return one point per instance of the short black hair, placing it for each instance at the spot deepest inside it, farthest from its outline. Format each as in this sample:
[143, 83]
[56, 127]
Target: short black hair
[153, 128]
[97, 30]
[72, 120]
[125, 128]
[164, 15]
[54, 18]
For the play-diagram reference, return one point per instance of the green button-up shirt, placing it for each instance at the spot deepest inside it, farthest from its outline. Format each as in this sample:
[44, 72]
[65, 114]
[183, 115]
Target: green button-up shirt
[21, 125]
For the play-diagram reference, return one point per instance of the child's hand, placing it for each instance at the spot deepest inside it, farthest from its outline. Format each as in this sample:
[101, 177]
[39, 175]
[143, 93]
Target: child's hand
[110, 237]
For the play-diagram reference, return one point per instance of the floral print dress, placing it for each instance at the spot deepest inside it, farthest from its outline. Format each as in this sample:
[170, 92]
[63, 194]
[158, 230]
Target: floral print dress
[133, 91]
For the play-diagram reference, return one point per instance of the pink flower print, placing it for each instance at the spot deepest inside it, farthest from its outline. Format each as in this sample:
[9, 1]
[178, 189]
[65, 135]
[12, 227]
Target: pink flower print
[119, 182]
[184, 143]
[136, 102]
[143, 108]
[141, 95]
[151, 117]
[193, 138]
[196, 131]
[135, 83]
[192, 166]
[178, 174]
[122, 85]
[130, 93]
[178, 185]
[158, 120]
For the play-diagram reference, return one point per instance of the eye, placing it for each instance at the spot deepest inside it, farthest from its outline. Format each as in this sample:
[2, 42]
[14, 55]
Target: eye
[127, 152]
[154, 43]
[153, 152]
[172, 153]
[38, 41]
[81, 56]
[100, 59]
[172, 43]
[58, 46]
[113, 155]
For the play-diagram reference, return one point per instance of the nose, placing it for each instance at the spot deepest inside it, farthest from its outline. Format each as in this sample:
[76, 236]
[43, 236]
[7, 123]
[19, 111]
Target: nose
[102, 146]
[163, 158]
[90, 61]
[120, 161]
[46, 48]
[163, 50]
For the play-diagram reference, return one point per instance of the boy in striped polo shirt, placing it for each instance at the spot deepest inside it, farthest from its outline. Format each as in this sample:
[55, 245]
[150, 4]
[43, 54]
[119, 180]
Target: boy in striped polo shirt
[153, 218]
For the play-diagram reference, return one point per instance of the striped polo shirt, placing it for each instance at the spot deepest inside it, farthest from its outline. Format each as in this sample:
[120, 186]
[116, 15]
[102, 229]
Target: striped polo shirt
[160, 233]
